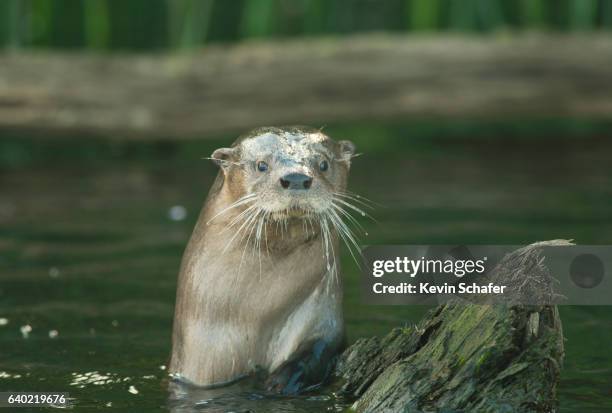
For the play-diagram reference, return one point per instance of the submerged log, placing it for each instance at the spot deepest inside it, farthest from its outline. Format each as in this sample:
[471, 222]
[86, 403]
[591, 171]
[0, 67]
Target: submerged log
[465, 357]
[222, 89]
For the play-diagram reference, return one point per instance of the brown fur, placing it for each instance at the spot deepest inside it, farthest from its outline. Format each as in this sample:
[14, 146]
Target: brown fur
[231, 318]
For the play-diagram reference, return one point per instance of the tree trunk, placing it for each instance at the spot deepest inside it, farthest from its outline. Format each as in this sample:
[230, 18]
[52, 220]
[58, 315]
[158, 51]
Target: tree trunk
[232, 89]
[465, 357]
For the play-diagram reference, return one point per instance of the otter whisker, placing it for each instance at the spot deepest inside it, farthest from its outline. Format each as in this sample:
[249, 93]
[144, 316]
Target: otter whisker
[259, 231]
[257, 240]
[312, 223]
[266, 219]
[243, 200]
[349, 217]
[246, 224]
[354, 208]
[255, 232]
[252, 225]
[225, 161]
[333, 253]
[328, 245]
[305, 223]
[367, 203]
[241, 216]
[308, 222]
[346, 234]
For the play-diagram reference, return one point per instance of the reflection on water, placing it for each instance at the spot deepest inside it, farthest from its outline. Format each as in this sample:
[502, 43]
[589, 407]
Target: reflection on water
[89, 252]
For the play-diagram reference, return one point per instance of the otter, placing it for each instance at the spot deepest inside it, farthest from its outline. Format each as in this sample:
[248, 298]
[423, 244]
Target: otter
[259, 286]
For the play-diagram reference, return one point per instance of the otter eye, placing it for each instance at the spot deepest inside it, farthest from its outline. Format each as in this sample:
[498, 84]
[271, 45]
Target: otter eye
[262, 166]
[324, 166]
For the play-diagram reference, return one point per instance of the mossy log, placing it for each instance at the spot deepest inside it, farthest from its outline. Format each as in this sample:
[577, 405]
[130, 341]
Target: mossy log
[464, 357]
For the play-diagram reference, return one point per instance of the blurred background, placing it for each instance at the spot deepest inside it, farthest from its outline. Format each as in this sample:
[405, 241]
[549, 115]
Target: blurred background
[480, 122]
[138, 25]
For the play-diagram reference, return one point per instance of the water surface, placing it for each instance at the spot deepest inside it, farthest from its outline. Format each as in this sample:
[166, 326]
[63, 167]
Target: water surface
[91, 236]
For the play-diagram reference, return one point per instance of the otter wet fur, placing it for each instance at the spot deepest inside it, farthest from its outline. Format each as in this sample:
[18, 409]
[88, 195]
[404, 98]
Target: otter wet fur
[259, 286]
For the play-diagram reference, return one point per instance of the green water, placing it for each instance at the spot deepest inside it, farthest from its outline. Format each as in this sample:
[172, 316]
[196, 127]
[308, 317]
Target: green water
[87, 249]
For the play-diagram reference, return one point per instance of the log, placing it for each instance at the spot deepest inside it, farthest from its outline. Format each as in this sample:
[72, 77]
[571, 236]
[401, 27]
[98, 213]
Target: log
[229, 89]
[465, 357]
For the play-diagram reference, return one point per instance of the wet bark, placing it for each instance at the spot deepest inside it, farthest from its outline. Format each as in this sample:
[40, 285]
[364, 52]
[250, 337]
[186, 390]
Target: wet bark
[465, 357]
[231, 89]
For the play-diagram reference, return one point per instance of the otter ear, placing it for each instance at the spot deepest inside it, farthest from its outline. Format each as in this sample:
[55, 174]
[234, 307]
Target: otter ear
[346, 150]
[223, 156]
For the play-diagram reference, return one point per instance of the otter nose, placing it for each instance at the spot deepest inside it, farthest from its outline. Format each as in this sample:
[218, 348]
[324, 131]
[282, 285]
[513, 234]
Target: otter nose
[296, 181]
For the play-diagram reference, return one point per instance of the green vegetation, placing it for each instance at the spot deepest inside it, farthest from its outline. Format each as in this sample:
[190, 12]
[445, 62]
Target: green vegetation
[163, 24]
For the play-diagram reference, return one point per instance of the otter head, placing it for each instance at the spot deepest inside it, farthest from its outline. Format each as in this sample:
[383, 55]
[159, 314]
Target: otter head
[288, 172]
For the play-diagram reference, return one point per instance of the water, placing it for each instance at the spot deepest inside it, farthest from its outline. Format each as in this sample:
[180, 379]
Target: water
[91, 237]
